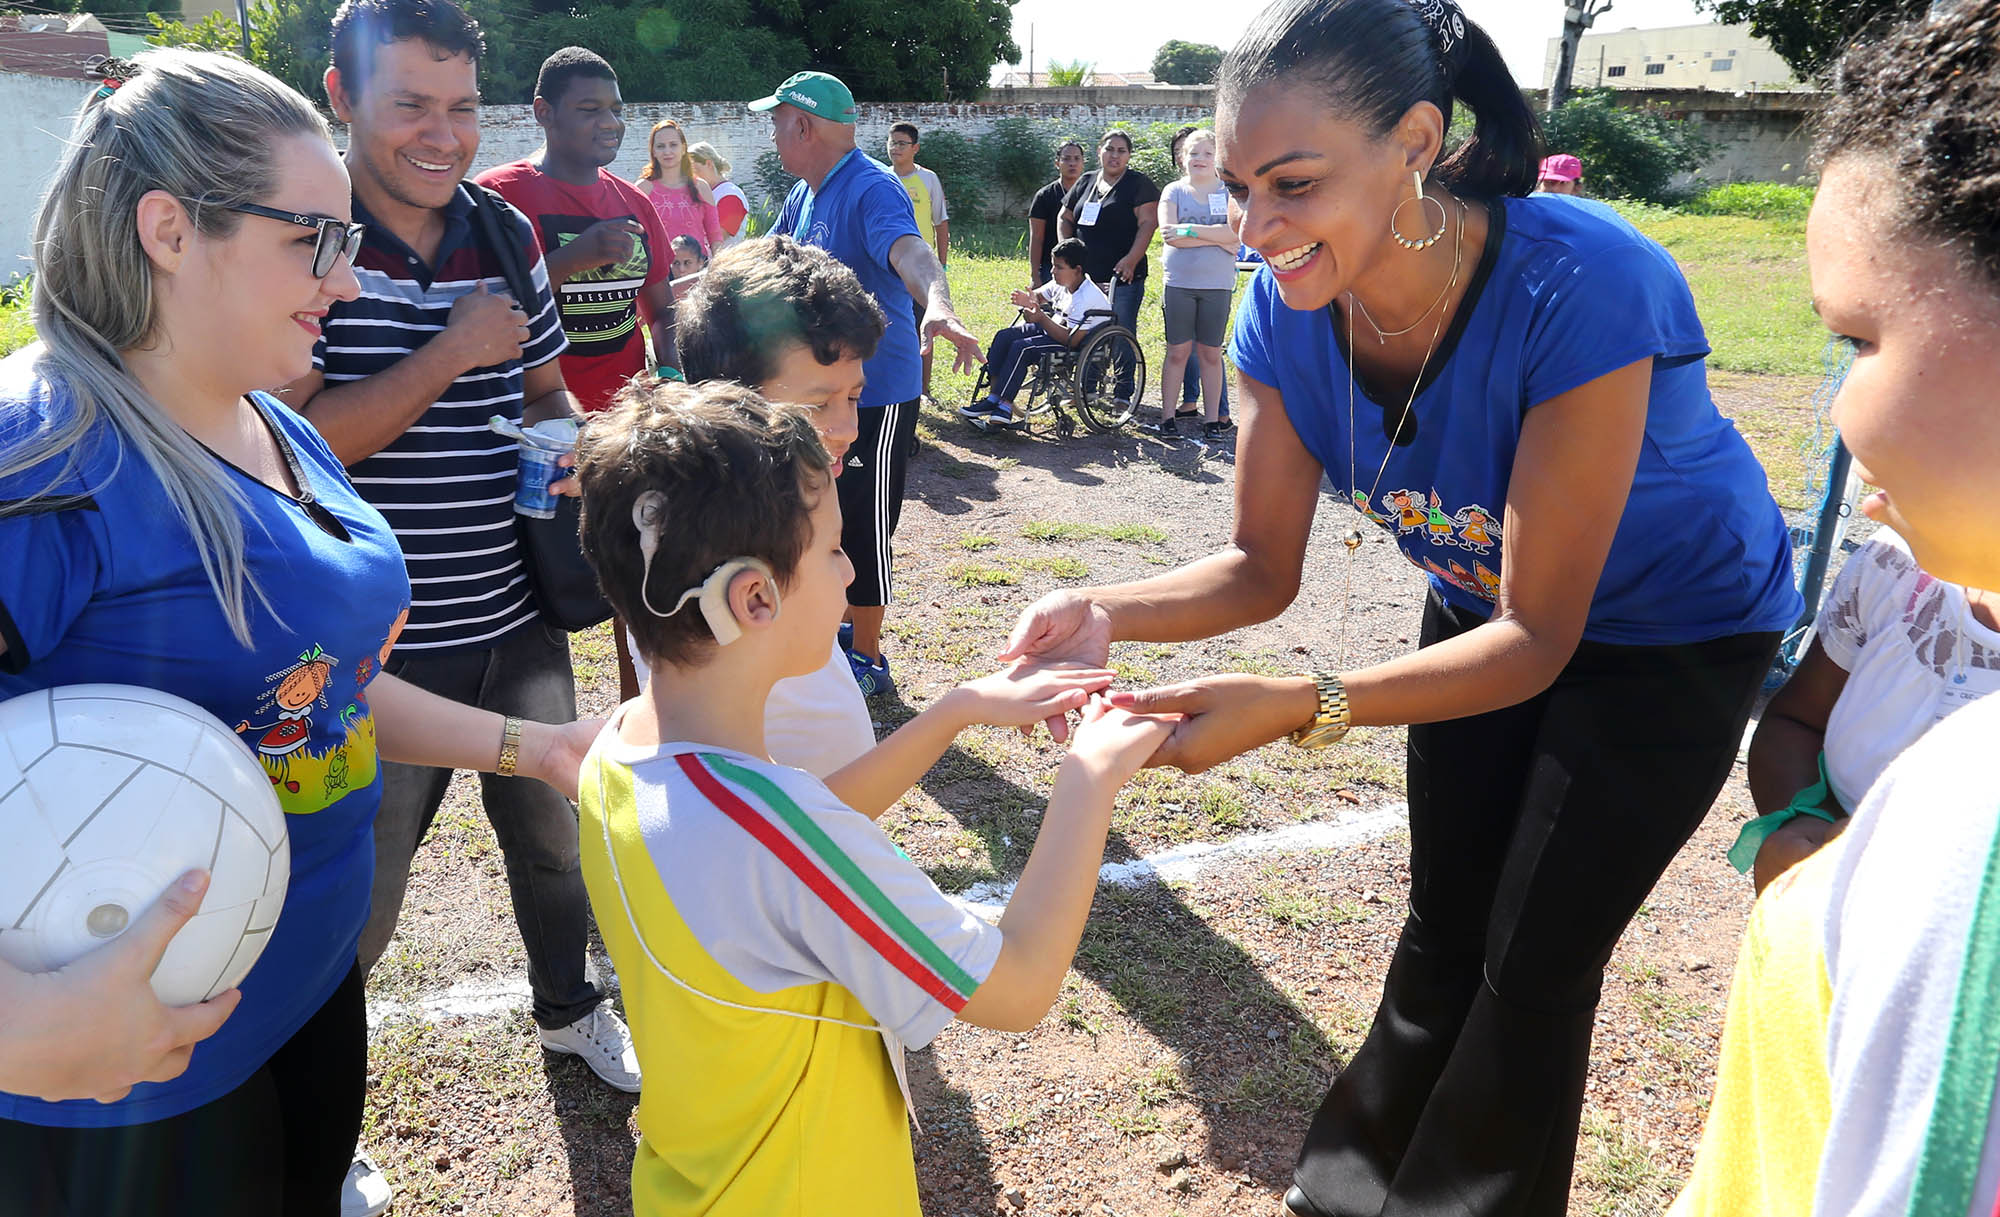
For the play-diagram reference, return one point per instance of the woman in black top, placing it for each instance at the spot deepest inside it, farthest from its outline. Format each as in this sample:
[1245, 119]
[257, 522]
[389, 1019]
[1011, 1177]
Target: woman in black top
[1115, 211]
[1046, 211]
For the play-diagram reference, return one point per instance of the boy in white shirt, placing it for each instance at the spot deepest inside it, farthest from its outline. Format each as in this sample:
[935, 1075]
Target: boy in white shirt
[1057, 315]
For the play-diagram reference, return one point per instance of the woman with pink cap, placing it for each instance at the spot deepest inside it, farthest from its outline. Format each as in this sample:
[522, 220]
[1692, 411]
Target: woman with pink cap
[1560, 174]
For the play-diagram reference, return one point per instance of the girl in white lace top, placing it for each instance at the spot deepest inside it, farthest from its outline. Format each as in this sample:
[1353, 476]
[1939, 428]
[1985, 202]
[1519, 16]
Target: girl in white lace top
[1897, 651]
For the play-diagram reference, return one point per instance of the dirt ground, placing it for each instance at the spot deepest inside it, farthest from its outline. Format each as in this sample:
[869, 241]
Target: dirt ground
[1205, 1013]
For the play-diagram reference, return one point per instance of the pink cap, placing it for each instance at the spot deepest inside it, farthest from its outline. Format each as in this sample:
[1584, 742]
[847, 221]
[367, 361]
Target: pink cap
[1561, 167]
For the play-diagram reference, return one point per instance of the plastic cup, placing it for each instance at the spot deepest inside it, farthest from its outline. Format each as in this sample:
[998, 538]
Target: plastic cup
[544, 443]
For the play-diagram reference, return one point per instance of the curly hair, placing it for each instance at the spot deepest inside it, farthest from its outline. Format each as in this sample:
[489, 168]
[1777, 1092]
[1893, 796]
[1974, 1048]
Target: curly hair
[759, 297]
[1926, 98]
[737, 477]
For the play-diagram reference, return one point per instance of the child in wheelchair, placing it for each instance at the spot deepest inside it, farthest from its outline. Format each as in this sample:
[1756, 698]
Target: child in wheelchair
[1056, 316]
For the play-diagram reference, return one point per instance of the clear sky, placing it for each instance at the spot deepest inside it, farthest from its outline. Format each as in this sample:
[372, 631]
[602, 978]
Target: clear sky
[1123, 34]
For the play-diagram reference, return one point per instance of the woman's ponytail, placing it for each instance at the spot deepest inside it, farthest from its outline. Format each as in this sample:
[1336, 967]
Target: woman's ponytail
[1374, 59]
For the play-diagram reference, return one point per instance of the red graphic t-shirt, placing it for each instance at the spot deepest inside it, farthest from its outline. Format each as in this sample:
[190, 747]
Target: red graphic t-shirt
[599, 307]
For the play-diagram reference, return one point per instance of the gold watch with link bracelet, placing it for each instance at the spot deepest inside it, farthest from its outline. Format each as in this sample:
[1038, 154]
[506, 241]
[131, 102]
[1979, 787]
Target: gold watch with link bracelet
[1333, 718]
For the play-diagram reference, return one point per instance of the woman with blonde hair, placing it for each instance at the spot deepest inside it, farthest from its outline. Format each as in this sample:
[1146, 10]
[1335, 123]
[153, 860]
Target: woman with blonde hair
[171, 525]
[732, 209]
[684, 201]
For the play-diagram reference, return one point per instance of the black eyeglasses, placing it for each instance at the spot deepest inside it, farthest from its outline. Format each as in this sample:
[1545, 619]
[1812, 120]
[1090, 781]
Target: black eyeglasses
[336, 237]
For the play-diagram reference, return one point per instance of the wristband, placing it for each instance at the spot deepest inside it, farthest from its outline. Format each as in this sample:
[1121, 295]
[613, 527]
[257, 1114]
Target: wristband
[1185, 230]
[669, 372]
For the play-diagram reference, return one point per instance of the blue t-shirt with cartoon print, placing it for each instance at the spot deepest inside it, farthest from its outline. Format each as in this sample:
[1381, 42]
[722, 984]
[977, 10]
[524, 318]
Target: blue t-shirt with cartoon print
[102, 584]
[858, 212]
[1565, 292]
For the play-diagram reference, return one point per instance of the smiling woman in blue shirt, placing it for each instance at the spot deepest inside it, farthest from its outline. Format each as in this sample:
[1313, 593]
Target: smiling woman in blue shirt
[1513, 388]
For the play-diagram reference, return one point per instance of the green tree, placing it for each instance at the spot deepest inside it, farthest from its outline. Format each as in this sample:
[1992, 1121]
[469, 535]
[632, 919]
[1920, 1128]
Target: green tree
[1186, 63]
[700, 50]
[1811, 34]
[1072, 75]
[1626, 153]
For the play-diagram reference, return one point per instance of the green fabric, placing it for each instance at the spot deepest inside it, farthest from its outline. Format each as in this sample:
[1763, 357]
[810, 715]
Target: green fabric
[1814, 800]
[1957, 1133]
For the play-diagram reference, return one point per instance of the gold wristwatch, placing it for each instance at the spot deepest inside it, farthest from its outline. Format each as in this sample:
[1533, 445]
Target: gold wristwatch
[1332, 720]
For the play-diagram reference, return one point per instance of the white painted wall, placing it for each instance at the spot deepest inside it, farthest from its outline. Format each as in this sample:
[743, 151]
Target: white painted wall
[30, 145]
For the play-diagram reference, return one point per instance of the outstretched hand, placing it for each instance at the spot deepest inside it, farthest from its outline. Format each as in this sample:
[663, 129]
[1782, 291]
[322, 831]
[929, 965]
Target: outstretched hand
[1117, 739]
[1221, 716]
[942, 323]
[1026, 692]
[1065, 627]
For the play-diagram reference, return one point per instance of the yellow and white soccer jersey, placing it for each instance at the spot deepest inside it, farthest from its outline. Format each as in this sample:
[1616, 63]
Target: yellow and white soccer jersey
[765, 936]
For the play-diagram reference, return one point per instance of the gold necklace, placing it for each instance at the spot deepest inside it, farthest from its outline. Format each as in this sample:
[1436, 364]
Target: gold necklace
[1383, 336]
[1353, 537]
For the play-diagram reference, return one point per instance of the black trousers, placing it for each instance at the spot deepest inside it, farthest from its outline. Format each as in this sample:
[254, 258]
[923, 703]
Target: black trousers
[276, 1146]
[1535, 833]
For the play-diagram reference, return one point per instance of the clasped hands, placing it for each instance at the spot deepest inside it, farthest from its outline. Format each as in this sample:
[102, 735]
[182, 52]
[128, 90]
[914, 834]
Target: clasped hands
[1215, 717]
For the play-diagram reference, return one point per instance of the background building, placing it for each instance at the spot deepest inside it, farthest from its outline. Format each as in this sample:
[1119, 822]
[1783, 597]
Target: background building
[1724, 58]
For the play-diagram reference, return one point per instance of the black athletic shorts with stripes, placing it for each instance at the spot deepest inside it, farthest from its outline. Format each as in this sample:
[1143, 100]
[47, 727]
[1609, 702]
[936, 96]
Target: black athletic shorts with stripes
[871, 496]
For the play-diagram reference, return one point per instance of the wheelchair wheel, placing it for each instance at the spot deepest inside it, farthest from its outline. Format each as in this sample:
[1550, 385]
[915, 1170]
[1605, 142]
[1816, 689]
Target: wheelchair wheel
[1038, 395]
[1106, 355]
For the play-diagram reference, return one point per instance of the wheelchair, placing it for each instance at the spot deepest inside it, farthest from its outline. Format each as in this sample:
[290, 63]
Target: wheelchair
[1078, 383]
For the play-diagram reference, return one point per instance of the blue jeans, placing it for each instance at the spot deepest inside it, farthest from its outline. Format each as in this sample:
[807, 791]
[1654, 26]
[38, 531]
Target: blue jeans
[1126, 298]
[1191, 386]
[528, 674]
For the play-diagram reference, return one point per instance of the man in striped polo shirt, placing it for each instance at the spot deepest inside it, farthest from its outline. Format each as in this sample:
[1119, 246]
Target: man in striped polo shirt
[407, 376]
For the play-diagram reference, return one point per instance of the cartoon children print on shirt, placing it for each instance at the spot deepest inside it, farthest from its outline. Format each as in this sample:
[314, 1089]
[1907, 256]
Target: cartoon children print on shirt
[1471, 527]
[308, 769]
[1475, 529]
[296, 691]
[1442, 529]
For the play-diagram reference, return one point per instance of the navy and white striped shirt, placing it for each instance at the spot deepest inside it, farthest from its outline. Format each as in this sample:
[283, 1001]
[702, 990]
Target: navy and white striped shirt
[446, 485]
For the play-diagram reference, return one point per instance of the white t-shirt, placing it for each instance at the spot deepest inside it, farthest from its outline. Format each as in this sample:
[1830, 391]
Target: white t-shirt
[1913, 653]
[729, 190]
[817, 722]
[1905, 890]
[1070, 307]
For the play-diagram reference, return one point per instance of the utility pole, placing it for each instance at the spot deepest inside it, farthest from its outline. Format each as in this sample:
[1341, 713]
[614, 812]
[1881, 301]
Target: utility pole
[243, 24]
[1578, 15]
[1031, 54]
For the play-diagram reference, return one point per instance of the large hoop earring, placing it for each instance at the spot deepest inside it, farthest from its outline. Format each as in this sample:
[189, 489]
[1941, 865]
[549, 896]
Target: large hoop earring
[1420, 199]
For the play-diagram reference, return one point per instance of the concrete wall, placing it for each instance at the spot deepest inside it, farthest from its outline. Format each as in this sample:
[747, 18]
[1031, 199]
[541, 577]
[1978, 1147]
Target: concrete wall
[1761, 134]
[44, 107]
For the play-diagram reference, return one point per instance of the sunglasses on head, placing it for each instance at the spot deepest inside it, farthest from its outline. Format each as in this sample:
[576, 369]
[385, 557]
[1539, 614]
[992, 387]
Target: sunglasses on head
[336, 237]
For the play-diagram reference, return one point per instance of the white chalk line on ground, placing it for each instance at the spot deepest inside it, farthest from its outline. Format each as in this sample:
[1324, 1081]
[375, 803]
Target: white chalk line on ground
[495, 998]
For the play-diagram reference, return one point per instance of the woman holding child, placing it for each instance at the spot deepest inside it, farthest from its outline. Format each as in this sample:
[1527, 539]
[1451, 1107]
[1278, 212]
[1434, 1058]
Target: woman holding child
[1514, 388]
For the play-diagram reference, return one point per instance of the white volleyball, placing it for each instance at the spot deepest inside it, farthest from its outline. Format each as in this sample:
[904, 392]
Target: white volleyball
[108, 793]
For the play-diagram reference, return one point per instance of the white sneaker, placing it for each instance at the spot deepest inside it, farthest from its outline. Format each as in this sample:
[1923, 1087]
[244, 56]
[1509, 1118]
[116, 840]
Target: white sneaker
[601, 1039]
[366, 1191]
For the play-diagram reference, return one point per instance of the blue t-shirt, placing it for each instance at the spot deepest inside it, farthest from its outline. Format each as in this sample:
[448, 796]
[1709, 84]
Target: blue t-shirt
[1565, 292]
[102, 583]
[858, 212]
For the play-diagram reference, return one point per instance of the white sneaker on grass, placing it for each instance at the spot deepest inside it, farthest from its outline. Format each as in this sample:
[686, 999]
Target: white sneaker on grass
[366, 1191]
[601, 1039]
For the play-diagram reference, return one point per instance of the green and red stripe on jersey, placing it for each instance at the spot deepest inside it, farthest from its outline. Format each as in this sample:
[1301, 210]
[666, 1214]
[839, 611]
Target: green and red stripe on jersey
[888, 931]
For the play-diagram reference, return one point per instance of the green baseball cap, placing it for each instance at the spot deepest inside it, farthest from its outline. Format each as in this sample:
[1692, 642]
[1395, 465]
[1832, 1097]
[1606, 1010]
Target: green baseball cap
[817, 93]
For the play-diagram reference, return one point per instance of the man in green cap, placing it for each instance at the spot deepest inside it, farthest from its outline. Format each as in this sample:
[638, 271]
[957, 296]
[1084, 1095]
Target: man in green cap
[856, 209]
